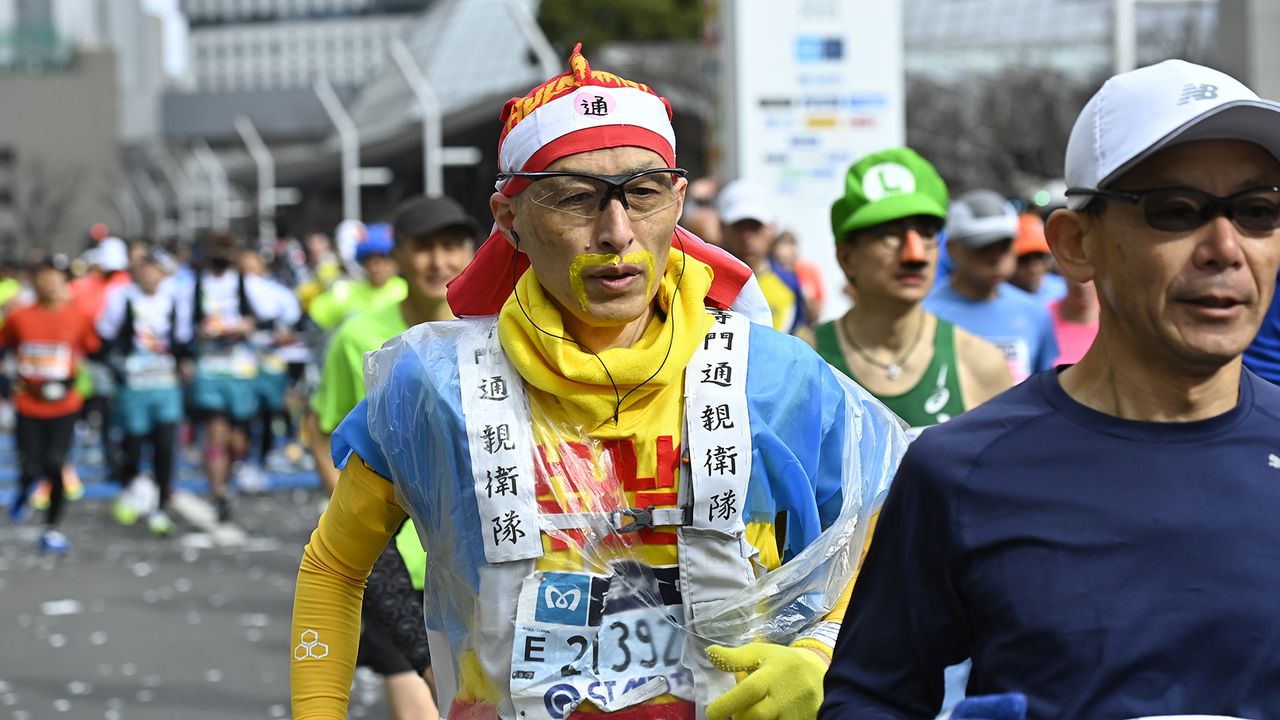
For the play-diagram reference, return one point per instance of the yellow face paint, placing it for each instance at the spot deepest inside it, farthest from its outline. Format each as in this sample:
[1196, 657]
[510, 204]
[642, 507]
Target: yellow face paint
[591, 261]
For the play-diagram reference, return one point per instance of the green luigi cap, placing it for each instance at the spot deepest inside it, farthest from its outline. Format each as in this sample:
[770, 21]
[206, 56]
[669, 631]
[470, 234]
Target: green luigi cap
[885, 186]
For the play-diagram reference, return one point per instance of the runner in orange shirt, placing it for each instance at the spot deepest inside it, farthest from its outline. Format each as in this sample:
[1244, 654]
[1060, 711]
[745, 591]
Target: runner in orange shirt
[50, 339]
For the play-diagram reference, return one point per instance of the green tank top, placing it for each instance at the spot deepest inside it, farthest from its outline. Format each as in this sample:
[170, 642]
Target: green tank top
[936, 398]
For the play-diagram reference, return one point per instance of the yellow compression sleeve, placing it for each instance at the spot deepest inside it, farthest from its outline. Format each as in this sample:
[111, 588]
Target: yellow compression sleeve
[824, 642]
[362, 516]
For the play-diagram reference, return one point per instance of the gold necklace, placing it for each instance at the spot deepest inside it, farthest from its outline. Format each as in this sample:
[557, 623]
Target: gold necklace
[892, 369]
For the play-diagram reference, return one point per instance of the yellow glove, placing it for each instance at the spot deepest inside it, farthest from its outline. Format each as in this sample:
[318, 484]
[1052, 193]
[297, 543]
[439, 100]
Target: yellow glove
[780, 682]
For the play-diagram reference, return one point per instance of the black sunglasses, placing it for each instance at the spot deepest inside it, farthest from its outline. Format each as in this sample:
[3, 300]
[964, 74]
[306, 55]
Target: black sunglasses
[1182, 209]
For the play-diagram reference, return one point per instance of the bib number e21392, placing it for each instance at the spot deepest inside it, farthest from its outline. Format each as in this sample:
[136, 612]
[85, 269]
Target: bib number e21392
[585, 638]
[625, 645]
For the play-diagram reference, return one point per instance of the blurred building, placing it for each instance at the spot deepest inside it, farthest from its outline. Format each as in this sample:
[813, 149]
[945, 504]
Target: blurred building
[955, 38]
[237, 45]
[257, 59]
[44, 34]
[60, 164]
[260, 59]
[81, 82]
[1246, 37]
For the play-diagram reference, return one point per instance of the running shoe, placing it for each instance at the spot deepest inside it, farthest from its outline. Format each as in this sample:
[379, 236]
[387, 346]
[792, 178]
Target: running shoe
[124, 513]
[19, 510]
[72, 488]
[159, 523]
[146, 494]
[40, 495]
[52, 541]
[277, 462]
[251, 478]
[124, 510]
[223, 506]
[129, 506]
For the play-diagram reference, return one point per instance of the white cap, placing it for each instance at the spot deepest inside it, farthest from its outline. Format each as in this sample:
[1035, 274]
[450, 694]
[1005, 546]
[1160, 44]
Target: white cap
[743, 200]
[1139, 112]
[347, 237]
[112, 255]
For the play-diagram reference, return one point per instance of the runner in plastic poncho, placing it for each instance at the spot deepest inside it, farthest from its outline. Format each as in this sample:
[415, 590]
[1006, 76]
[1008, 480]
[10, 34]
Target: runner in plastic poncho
[635, 501]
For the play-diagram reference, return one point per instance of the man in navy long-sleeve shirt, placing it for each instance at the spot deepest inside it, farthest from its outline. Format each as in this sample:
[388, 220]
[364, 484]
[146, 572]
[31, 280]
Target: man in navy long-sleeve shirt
[1105, 539]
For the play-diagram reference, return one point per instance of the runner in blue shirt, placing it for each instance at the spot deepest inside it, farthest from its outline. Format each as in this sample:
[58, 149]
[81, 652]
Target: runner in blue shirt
[976, 295]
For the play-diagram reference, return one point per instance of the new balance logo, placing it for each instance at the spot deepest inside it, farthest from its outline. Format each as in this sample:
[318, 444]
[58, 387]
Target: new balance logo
[1274, 461]
[310, 648]
[1198, 92]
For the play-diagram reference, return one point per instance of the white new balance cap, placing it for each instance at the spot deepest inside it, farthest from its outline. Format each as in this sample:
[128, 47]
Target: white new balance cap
[1139, 112]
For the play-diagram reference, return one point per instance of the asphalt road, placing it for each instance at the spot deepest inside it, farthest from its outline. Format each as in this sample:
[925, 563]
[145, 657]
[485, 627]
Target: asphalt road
[130, 626]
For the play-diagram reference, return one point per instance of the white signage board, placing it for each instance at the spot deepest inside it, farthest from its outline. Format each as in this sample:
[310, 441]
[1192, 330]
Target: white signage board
[808, 87]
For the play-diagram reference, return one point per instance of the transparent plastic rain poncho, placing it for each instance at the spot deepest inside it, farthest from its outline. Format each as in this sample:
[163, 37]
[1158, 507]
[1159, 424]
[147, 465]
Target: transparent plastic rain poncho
[599, 617]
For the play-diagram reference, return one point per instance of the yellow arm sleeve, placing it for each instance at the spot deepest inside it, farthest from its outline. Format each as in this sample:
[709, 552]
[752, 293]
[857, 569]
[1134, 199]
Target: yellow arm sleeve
[362, 516]
[823, 637]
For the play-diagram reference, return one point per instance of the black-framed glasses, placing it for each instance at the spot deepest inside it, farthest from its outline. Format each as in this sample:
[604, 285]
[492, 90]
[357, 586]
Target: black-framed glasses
[893, 235]
[1182, 209]
[587, 196]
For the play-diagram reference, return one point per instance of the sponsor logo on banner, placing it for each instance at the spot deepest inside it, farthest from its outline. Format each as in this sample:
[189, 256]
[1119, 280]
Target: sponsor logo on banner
[812, 48]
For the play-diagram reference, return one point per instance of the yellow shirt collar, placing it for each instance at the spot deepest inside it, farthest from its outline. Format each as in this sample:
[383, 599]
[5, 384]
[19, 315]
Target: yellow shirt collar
[566, 371]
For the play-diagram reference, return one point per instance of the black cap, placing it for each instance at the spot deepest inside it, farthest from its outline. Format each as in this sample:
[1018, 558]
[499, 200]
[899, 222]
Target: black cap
[422, 216]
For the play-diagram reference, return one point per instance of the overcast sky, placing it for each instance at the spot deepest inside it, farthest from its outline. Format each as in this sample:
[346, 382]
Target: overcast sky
[175, 34]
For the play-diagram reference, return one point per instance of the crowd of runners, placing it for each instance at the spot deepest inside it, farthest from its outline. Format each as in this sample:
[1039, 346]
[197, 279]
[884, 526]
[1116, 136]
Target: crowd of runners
[649, 445]
[112, 350]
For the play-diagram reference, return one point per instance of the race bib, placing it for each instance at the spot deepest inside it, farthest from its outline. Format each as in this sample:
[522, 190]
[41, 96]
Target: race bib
[614, 641]
[237, 362]
[53, 391]
[1018, 354]
[144, 371]
[273, 364]
[45, 361]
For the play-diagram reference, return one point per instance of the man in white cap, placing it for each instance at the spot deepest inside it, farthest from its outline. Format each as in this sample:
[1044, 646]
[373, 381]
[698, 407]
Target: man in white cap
[747, 229]
[1103, 539]
[108, 274]
[614, 476]
[144, 330]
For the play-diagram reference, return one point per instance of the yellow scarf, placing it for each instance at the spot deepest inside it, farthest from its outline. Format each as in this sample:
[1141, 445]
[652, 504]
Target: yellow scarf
[575, 378]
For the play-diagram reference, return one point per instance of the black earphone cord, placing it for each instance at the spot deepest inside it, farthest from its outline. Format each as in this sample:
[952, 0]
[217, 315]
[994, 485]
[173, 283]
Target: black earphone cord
[671, 318]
